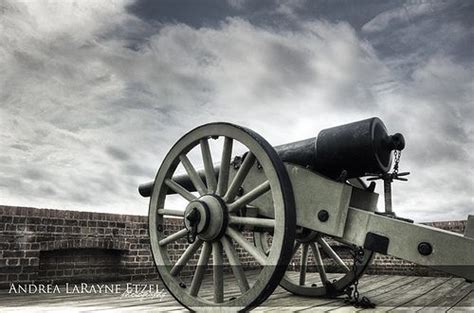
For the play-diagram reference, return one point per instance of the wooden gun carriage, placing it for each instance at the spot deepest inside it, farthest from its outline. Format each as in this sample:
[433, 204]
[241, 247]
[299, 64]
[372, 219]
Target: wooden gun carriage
[295, 199]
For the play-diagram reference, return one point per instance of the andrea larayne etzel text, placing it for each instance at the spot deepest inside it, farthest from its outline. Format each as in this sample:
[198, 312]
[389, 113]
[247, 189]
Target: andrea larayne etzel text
[126, 290]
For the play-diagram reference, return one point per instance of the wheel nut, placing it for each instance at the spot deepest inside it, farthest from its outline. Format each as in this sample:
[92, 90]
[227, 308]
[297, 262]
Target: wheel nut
[323, 215]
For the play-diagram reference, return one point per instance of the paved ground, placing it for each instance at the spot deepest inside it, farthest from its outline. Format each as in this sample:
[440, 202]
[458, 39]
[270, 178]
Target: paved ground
[398, 293]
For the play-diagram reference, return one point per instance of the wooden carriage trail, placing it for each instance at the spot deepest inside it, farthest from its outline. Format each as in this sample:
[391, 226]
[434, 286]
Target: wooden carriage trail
[390, 293]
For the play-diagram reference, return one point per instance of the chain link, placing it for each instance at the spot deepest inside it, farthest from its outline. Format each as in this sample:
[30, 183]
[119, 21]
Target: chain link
[352, 292]
[397, 154]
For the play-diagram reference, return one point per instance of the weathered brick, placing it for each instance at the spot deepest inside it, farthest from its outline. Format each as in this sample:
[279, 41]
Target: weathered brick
[14, 254]
[6, 219]
[11, 269]
[14, 262]
[70, 222]
[33, 220]
[19, 219]
[102, 224]
[12, 278]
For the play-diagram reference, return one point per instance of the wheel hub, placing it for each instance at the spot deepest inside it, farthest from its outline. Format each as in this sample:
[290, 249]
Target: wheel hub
[206, 217]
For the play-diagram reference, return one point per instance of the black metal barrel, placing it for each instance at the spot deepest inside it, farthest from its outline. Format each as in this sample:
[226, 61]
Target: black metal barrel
[346, 151]
[356, 148]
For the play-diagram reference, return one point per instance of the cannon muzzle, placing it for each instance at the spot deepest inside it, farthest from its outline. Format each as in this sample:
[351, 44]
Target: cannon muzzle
[347, 151]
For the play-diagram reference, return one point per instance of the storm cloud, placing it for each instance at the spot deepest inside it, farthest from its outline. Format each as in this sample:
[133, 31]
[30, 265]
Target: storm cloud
[93, 93]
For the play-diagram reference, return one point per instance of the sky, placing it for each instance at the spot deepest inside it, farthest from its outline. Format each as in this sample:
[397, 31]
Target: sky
[94, 93]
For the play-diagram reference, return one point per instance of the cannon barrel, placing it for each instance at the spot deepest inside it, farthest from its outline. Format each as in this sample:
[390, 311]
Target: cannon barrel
[349, 150]
[183, 180]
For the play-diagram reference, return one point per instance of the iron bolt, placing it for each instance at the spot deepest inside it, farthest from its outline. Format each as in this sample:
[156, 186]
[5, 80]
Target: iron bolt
[237, 162]
[425, 248]
[323, 215]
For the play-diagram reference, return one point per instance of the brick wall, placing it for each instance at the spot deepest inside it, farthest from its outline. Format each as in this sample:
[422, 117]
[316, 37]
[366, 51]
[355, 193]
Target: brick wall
[81, 264]
[43, 245]
[29, 235]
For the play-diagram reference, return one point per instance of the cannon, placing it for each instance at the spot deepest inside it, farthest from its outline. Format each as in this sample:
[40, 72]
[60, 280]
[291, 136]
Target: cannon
[305, 199]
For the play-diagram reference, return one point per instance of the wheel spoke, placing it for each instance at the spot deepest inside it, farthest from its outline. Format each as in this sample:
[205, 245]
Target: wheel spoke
[295, 248]
[319, 263]
[225, 167]
[201, 269]
[327, 248]
[171, 212]
[250, 248]
[208, 166]
[218, 272]
[235, 264]
[179, 189]
[193, 175]
[303, 264]
[252, 221]
[173, 237]
[185, 257]
[239, 177]
[250, 196]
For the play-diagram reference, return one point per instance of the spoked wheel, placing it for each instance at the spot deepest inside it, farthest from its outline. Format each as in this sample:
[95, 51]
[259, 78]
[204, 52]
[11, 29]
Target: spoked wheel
[209, 225]
[322, 267]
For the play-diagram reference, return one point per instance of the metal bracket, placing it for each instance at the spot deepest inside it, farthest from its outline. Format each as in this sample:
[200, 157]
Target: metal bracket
[376, 243]
[313, 193]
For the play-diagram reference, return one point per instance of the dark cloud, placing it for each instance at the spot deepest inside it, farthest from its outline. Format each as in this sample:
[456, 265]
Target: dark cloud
[137, 170]
[414, 31]
[118, 153]
[286, 14]
[206, 13]
[20, 147]
[288, 68]
[34, 174]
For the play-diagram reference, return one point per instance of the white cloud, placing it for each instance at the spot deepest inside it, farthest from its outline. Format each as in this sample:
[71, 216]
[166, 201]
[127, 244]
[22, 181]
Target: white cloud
[84, 119]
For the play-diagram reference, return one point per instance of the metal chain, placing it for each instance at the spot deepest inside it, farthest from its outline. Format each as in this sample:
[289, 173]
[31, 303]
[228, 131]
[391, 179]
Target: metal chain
[397, 154]
[352, 292]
